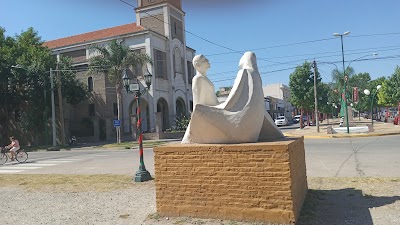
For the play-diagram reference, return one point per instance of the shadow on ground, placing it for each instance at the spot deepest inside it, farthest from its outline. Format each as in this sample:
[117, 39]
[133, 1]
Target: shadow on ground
[343, 206]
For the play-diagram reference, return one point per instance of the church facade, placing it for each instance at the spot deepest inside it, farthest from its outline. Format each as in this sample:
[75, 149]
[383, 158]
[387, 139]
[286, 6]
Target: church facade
[159, 33]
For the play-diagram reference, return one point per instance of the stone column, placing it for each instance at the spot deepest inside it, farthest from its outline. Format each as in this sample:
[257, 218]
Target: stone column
[159, 122]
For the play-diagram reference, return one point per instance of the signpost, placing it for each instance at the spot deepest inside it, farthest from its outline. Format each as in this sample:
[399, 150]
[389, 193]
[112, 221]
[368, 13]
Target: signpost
[117, 123]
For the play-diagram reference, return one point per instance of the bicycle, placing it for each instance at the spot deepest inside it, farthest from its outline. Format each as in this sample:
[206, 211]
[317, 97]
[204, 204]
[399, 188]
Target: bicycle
[20, 155]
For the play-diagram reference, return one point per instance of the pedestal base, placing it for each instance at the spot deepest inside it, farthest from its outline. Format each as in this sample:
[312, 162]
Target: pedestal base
[142, 176]
[264, 182]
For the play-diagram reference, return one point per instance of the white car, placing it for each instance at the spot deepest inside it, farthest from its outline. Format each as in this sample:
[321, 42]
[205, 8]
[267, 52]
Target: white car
[281, 121]
[297, 118]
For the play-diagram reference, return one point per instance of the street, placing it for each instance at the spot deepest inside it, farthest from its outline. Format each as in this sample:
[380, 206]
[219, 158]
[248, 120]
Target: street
[341, 157]
[289, 127]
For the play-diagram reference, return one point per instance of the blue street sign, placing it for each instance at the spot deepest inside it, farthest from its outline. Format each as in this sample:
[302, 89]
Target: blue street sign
[117, 123]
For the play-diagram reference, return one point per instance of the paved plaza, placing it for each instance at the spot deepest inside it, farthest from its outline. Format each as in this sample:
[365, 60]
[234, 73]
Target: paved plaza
[380, 129]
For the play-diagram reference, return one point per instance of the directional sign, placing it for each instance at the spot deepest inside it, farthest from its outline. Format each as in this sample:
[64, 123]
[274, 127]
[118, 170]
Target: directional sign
[117, 123]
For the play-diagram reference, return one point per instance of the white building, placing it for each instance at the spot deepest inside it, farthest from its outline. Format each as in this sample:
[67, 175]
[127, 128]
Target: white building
[158, 32]
[282, 93]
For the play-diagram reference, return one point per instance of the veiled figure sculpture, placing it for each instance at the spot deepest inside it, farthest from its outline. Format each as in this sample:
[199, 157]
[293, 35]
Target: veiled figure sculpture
[241, 118]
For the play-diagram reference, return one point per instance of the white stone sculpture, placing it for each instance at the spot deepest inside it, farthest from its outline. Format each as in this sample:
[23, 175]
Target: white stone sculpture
[241, 118]
[203, 88]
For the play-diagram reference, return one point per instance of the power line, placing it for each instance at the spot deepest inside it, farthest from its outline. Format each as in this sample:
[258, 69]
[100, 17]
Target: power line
[316, 55]
[206, 40]
[370, 35]
[321, 63]
[266, 72]
[270, 47]
[276, 46]
[263, 48]
[312, 41]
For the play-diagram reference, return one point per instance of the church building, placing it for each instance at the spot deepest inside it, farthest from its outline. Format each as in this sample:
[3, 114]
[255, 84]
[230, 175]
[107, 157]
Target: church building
[159, 33]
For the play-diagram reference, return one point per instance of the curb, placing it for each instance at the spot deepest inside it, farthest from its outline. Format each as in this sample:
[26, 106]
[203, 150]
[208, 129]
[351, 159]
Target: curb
[343, 135]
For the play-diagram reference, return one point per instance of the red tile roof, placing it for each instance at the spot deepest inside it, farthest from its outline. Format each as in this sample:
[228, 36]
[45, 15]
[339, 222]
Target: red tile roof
[94, 35]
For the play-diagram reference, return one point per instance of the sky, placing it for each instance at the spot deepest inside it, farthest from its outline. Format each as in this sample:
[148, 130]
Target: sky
[282, 33]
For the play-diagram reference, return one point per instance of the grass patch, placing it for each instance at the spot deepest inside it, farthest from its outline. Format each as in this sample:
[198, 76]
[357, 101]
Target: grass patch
[154, 216]
[66, 183]
[180, 221]
[134, 144]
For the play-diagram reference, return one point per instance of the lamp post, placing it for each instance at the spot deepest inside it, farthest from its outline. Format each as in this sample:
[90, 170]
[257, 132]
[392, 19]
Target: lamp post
[367, 92]
[373, 54]
[344, 98]
[142, 174]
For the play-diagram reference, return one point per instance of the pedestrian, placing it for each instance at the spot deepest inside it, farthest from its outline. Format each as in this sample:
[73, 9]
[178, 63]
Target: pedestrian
[14, 146]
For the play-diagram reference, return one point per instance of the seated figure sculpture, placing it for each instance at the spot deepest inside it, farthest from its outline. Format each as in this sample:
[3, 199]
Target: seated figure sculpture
[241, 118]
[203, 90]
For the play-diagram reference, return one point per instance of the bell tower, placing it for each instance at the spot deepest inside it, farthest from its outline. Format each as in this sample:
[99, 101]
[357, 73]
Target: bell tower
[162, 16]
[144, 3]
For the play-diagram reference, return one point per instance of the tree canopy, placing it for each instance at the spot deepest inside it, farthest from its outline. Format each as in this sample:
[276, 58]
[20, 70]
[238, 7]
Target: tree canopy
[301, 85]
[25, 84]
[389, 95]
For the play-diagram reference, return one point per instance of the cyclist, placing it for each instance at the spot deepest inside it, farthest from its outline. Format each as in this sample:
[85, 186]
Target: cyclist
[14, 146]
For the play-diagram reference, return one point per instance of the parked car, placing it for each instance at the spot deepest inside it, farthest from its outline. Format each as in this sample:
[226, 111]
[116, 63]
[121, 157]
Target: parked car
[281, 121]
[296, 119]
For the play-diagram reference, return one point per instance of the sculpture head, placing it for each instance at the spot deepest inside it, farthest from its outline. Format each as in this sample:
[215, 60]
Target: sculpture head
[248, 61]
[201, 64]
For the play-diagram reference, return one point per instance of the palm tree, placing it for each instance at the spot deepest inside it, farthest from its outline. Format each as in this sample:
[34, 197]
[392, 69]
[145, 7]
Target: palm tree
[338, 78]
[112, 60]
[338, 82]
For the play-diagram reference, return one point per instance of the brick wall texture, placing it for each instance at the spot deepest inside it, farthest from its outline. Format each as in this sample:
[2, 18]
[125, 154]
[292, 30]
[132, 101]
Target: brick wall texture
[252, 182]
[155, 23]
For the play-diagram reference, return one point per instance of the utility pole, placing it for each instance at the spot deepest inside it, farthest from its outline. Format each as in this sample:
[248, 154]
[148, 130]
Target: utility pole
[60, 106]
[53, 110]
[315, 96]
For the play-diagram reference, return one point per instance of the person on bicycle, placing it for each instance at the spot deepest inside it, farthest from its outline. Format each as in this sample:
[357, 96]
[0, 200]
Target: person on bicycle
[14, 147]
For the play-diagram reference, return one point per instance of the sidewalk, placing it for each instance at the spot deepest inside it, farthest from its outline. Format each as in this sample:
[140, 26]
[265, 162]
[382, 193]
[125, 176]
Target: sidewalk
[380, 129]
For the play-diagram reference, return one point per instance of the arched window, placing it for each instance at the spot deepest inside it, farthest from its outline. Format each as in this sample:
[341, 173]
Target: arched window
[180, 107]
[90, 83]
[177, 60]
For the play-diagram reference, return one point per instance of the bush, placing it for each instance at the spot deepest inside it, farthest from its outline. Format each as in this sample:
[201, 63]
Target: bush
[181, 122]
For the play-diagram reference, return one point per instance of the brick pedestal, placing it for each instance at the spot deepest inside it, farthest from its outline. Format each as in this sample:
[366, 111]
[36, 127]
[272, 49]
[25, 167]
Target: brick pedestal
[253, 181]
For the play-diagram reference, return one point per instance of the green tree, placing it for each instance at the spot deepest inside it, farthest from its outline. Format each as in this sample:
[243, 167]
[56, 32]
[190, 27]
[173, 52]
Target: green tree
[7, 84]
[25, 83]
[301, 85]
[361, 81]
[112, 60]
[390, 93]
[323, 97]
[338, 78]
[33, 59]
[338, 81]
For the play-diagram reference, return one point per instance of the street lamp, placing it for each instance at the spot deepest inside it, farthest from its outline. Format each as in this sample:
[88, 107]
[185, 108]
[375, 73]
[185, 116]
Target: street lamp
[142, 174]
[367, 92]
[373, 54]
[344, 98]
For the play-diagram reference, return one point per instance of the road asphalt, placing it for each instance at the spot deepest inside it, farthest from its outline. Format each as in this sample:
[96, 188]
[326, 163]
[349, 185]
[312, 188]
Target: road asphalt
[336, 157]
